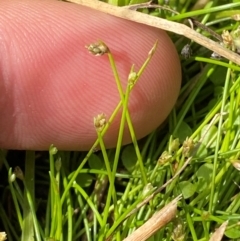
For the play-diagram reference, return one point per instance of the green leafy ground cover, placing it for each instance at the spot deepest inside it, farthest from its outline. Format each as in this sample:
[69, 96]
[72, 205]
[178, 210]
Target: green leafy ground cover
[88, 196]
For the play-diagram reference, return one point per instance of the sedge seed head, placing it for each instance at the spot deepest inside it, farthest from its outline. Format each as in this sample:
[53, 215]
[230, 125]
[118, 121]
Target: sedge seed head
[174, 145]
[188, 146]
[178, 233]
[100, 122]
[3, 236]
[164, 158]
[132, 78]
[53, 150]
[227, 38]
[19, 173]
[97, 49]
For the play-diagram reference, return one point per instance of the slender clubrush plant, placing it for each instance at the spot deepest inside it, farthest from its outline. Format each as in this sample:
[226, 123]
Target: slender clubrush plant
[184, 176]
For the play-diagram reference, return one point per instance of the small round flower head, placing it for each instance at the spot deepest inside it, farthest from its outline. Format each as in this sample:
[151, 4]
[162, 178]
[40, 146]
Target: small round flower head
[188, 146]
[227, 38]
[97, 49]
[100, 122]
[19, 173]
[3, 236]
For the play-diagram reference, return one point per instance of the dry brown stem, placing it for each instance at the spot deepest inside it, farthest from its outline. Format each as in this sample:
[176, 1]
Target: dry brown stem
[218, 234]
[156, 222]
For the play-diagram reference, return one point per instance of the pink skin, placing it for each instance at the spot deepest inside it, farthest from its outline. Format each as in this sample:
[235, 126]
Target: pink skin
[51, 87]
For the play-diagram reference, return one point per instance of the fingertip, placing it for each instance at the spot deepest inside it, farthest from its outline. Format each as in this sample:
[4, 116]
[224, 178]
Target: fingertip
[56, 88]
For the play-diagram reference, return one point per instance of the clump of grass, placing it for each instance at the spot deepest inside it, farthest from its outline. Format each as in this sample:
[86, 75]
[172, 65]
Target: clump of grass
[109, 194]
